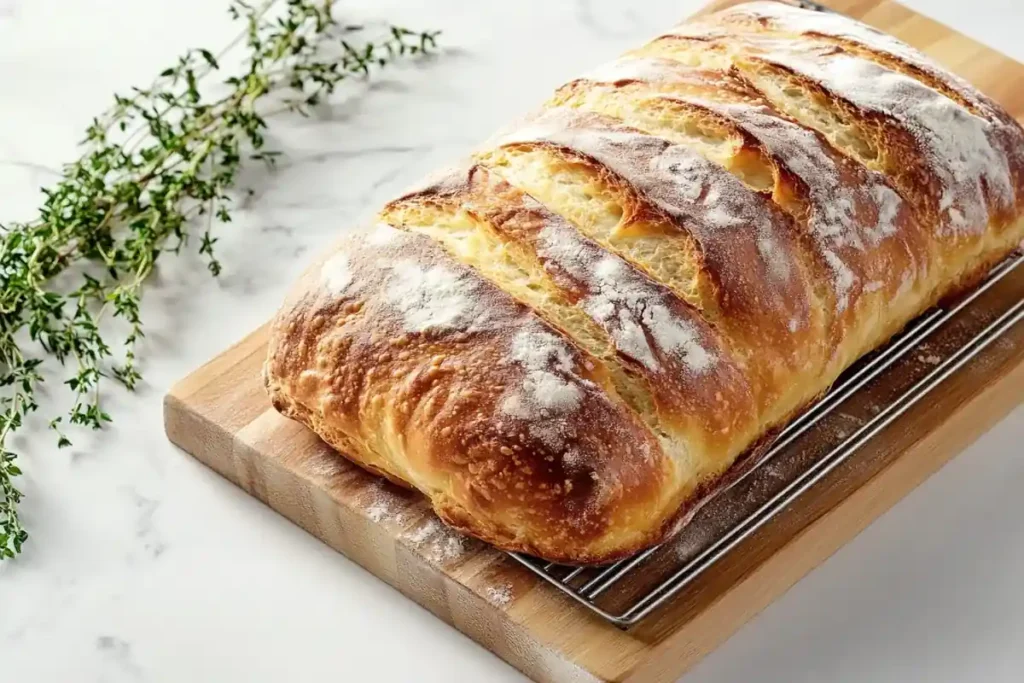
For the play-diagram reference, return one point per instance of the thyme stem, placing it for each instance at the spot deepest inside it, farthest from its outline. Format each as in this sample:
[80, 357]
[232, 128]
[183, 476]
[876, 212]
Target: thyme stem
[151, 166]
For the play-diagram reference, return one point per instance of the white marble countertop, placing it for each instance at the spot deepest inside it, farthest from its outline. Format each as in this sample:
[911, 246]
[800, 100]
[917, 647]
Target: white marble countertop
[145, 566]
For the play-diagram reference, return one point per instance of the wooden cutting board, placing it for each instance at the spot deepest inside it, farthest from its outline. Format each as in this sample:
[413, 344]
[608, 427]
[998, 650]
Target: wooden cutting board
[221, 415]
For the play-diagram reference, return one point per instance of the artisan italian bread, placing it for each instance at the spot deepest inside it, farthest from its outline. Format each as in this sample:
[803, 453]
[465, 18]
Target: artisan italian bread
[574, 338]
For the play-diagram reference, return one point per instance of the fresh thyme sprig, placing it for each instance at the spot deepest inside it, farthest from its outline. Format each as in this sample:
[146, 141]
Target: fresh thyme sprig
[157, 167]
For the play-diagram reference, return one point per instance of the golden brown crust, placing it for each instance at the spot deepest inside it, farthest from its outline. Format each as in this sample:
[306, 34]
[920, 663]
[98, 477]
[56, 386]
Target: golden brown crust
[746, 270]
[573, 341]
[706, 398]
[894, 94]
[415, 366]
[855, 229]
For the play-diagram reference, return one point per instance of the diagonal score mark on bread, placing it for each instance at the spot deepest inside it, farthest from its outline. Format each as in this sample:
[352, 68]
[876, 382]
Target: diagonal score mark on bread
[878, 101]
[570, 342]
[664, 360]
[744, 254]
[839, 207]
[413, 364]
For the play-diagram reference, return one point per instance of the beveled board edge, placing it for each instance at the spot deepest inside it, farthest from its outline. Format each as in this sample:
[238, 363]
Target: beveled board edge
[536, 629]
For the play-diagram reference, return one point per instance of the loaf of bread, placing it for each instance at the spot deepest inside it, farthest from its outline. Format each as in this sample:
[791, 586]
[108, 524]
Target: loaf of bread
[575, 338]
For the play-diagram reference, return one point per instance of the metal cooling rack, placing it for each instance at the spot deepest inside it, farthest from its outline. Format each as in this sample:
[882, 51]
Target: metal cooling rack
[869, 397]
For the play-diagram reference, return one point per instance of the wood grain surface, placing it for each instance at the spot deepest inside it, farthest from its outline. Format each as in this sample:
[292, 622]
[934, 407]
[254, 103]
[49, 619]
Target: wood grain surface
[221, 415]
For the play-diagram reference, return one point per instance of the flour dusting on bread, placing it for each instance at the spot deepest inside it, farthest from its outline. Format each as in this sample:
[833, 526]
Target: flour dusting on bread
[707, 198]
[546, 391]
[382, 234]
[673, 336]
[850, 207]
[833, 24]
[634, 310]
[958, 143]
[335, 273]
[433, 298]
[843, 279]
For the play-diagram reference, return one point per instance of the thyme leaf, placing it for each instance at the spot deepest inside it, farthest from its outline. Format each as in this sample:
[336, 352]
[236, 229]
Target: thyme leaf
[157, 169]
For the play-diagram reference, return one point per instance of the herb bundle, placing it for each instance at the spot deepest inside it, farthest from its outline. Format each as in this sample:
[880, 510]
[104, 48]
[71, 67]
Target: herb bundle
[156, 169]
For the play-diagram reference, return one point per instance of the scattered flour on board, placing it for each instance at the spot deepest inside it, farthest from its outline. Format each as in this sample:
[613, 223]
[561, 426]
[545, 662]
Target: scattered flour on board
[423, 532]
[438, 543]
[325, 464]
[378, 511]
[499, 595]
[449, 546]
[384, 505]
